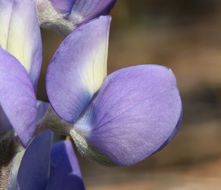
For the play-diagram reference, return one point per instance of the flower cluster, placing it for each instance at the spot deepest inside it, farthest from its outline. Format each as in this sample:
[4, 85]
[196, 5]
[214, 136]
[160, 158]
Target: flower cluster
[119, 119]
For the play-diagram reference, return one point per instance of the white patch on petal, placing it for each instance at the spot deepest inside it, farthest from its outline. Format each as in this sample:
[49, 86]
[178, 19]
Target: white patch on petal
[96, 68]
[19, 30]
[5, 15]
[18, 36]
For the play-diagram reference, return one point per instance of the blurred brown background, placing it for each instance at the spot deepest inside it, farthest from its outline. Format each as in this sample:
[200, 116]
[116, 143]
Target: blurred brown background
[185, 36]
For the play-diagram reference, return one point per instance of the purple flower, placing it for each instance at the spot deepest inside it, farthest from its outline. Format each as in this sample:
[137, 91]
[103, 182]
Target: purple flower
[20, 64]
[123, 118]
[47, 167]
[66, 15]
[80, 11]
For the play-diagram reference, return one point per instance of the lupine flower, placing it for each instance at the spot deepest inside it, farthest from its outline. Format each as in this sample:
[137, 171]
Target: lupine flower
[20, 42]
[123, 118]
[20, 64]
[80, 11]
[65, 15]
[48, 167]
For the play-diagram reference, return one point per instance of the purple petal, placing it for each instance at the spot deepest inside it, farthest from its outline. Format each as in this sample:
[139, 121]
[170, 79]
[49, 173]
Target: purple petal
[78, 68]
[85, 10]
[64, 159]
[63, 6]
[65, 167]
[135, 112]
[20, 34]
[33, 173]
[17, 97]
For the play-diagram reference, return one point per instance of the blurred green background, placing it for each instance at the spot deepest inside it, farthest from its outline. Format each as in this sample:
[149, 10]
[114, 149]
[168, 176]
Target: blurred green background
[185, 36]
